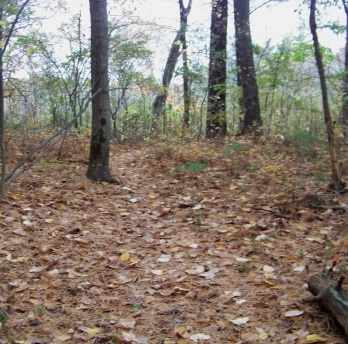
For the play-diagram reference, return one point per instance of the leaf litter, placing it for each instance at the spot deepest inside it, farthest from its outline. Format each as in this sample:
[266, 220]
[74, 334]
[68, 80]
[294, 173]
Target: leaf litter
[169, 255]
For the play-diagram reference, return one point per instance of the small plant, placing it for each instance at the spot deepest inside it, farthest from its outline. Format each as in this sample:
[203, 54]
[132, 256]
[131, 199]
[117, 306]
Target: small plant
[253, 168]
[306, 143]
[243, 266]
[301, 253]
[5, 269]
[3, 316]
[40, 311]
[191, 166]
[321, 177]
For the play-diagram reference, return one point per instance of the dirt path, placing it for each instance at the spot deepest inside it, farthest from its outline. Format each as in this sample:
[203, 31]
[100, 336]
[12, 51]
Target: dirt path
[164, 257]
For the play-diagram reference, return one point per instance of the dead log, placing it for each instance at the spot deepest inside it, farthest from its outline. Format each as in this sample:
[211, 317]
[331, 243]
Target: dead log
[331, 297]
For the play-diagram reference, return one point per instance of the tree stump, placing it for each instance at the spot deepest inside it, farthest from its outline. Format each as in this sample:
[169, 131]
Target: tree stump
[331, 297]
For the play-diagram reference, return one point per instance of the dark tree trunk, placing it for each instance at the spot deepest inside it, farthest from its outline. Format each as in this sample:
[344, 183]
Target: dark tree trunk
[174, 53]
[345, 79]
[186, 87]
[245, 68]
[98, 165]
[336, 177]
[2, 116]
[216, 112]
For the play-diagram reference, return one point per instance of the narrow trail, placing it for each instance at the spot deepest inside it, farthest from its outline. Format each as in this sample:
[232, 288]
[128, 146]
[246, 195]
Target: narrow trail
[163, 257]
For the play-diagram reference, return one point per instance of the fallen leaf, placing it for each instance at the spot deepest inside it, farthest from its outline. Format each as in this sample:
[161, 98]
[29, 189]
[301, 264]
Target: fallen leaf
[239, 321]
[293, 313]
[92, 331]
[242, 260]
[127, 323]
[267, 268]
[129, 337]
[20, 231]
[198, 270]
[314, 338]
[263, 336]
[210, 274]
[125, 256]
[181, 331]
[199, 336]
[164, 259]
[157, 272]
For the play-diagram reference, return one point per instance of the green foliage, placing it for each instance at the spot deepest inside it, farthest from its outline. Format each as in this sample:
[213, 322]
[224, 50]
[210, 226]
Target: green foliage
[306, 143]
[4, 269]
[40, 311]
[192, 166]
[3, 316]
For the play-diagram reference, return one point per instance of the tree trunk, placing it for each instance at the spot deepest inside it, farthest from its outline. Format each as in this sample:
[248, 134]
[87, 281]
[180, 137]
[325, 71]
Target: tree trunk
[344, 118]
[2, 116]
[98, 164]
[187, 99]
[5, 41]
[336, 177]
[174, 53]
[245, 68]
[216, 112]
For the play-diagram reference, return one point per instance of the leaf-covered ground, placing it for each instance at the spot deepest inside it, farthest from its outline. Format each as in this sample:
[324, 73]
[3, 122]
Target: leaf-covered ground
[199, 243]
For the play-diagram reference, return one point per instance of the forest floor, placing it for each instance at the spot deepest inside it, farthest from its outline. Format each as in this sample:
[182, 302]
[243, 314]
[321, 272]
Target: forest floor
[199, 243]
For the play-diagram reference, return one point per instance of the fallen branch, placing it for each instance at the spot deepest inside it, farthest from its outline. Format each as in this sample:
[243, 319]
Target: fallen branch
[344, 209]
[46, 146]
[331, 297]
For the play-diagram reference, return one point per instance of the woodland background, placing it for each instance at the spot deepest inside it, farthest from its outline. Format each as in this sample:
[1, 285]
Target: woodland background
[196, 238]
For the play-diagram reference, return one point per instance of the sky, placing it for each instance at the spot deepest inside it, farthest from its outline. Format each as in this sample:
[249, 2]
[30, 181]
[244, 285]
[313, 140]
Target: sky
[274, 21]
[271, 22]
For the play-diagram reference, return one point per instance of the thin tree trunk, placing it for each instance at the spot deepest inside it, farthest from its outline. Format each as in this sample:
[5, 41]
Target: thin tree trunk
[2, 125]
[6, 41]
[336, 177]
[245, 67]
[344, 118]
[187, 99]
[216, 106]
[174, 53]
[98, 164]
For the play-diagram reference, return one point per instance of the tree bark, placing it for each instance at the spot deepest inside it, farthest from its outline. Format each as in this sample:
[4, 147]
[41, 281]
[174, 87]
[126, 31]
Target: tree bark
[98, 164]
[174, 53]
[6, 41]
[246, 75]
[336, 177]
[187, 100]
[216, 112]
[344, 118]
[333, 300]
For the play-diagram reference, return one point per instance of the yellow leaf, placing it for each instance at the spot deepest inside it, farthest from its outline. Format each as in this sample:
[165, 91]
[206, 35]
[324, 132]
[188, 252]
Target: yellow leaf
[263, 336]
[314, 338]
[268, 283]
[92, 331]
[125, 256]
[232, 187]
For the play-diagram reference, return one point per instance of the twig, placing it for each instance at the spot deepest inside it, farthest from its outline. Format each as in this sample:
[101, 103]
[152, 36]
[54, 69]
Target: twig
[273, 212]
